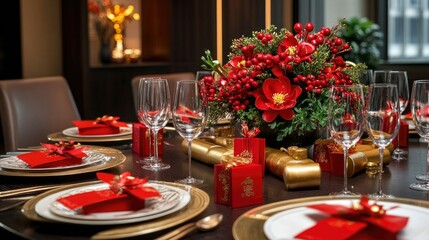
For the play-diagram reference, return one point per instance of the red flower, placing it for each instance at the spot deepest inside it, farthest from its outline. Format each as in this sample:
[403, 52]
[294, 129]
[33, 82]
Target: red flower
[277, 97]
[301, 51]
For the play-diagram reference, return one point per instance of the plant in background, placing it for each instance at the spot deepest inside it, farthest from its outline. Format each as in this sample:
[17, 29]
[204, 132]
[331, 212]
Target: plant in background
[365, 38]
[280, 80]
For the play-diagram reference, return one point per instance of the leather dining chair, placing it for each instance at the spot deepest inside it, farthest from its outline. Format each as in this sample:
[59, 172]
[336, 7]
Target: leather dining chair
[172, 78]
[32, 108]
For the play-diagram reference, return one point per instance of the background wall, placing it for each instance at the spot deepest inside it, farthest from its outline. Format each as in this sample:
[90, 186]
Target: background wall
[41, 38]
[337, 9]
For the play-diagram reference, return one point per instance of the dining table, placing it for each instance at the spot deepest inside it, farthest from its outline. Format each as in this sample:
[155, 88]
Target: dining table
[397, 177]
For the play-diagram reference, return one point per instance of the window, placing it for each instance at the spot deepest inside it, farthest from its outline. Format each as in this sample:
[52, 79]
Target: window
[408, 29]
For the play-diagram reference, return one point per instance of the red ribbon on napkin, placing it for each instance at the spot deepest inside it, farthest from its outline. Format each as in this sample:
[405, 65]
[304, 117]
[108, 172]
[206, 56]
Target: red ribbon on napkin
[110, 121]
[100, 126]
[361, 221]
[125, 193]
[56, 155]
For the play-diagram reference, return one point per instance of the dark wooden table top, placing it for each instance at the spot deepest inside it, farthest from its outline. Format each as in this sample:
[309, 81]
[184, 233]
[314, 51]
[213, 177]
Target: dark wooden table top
[396, 180]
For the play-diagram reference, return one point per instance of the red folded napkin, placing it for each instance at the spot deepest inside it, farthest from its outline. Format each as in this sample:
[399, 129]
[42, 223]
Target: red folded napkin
[56, 155]
[125, 193]
[361, 221]
[100, 126]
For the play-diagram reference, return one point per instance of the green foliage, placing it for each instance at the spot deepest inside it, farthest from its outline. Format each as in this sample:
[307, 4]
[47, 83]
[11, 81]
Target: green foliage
[365, 38]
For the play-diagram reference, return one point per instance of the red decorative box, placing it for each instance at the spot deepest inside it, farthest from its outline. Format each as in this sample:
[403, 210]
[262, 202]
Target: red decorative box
[402, 135]
[140, 140]
[52, 157]
[126, 193]
[99, 126]
[321, 154]
[255, 146]
[238, 186]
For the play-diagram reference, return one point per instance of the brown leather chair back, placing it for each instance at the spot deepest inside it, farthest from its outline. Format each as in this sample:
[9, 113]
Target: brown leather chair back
[31, 109]
[172, 78]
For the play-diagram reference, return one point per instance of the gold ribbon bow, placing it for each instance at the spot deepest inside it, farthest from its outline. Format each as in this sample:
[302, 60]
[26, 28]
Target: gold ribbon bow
[230, 160]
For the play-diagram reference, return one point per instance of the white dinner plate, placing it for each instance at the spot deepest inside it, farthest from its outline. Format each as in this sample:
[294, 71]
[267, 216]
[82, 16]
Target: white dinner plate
[16, 164]
[170, 197]
[289, 223]
[44, 208]
[74, 132]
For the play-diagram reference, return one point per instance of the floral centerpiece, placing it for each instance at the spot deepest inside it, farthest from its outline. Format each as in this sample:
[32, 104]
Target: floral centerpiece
[279, 80]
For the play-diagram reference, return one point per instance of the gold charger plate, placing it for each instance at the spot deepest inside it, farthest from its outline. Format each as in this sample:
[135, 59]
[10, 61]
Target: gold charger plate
[199, 202]
[116, 158]
[58, 136]
[250, 225]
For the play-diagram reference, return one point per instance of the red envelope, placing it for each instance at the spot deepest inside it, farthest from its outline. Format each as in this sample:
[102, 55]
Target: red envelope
[100, 126]
[126, 193]
[44, 159]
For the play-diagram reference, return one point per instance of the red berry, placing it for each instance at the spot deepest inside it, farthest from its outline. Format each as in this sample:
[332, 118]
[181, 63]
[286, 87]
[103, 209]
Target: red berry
[297, 27]
[309, 27]
[264, 40]
[338, 41]
[269, 36]
[260, 35]
[326, 31]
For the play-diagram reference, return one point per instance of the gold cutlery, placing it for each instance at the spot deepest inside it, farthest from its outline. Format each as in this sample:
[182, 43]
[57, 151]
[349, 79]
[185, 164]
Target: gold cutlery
[204, 224]
[27, 190]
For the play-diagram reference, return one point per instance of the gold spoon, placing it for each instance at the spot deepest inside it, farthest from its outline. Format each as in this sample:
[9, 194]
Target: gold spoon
[205, 224]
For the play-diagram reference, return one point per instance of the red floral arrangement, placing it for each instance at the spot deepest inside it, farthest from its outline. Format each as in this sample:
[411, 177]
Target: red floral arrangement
[279, 79]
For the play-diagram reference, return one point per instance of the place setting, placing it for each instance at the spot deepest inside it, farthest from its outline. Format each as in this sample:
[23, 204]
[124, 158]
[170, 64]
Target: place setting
[138, 205]
[102, 129]
[60, 159]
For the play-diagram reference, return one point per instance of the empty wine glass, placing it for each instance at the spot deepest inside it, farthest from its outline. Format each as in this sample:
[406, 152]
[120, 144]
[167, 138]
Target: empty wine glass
[400, 79]
[154, 109]
[150, 157]
[420, 112]
[345, 122]
[382, 119]
[189, 118]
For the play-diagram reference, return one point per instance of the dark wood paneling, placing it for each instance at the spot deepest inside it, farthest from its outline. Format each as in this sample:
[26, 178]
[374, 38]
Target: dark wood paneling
[241, 17]
[10, 41]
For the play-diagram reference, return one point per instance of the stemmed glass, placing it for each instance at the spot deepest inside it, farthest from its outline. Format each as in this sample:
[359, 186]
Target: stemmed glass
[400, 79]
[345, 122]
[149, 158]
[189, 118]
[382, 121]
[420, 112]
[154, 109]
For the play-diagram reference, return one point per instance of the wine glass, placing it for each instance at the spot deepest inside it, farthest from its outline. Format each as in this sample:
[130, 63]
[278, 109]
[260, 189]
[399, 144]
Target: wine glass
[420, 112]
[149, 158]
[400, 79]
[154, 109]
[189, 118]
[345, 122]
[382, 119]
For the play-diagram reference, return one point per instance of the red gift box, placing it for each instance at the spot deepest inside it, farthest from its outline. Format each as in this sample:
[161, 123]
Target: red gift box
[99, 126]
[321, 154]
[238, 186]
[402, 135]
[254, 146]
[126, 193]
[58, 155]
[140, 140]
[361, 221]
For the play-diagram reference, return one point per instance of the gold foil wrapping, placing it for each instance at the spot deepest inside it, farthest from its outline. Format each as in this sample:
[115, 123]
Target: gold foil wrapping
[294, 167]
[205, 151]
